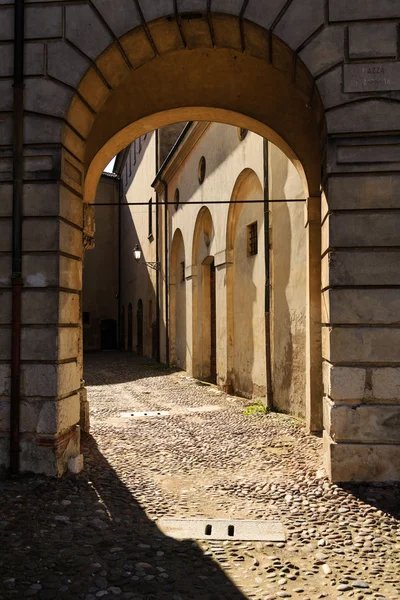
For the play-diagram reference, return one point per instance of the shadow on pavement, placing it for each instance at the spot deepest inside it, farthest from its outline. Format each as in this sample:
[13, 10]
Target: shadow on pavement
[81, 535]
[121, 367]
[385, 497]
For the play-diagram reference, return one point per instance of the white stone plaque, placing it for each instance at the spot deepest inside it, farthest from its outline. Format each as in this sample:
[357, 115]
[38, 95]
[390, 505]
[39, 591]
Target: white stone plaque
[372, 77]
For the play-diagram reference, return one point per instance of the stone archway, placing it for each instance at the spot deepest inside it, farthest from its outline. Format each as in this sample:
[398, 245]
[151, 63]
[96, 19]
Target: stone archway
[287, 72]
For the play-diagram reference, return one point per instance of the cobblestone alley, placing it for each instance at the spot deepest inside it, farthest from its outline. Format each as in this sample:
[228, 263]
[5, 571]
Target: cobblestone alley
[95, 535]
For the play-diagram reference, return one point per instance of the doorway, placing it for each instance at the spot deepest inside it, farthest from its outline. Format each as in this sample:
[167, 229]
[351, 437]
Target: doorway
[108, 334]
[130, 328]
[139, 328]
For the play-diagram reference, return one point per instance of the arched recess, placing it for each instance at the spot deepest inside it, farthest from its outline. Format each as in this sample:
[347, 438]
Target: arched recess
[203, 271]
[177, 288]
[245, 281]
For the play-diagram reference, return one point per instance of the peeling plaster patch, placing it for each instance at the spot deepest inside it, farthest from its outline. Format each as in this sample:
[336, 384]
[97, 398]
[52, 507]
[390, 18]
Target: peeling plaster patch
[37, 280]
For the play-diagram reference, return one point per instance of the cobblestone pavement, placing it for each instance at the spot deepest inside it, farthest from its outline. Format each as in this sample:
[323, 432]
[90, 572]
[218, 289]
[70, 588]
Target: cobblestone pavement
[95, 535]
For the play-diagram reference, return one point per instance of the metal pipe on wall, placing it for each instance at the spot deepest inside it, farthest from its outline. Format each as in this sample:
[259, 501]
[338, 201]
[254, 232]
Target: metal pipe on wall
[158, 272]
[165, 184]
[267, 255]
[18, 174]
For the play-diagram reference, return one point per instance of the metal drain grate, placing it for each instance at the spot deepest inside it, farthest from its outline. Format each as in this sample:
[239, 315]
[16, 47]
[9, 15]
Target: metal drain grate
[149, 413]
[223, 529]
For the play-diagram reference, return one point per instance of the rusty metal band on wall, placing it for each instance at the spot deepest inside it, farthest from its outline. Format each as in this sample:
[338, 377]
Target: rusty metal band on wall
[18, 173]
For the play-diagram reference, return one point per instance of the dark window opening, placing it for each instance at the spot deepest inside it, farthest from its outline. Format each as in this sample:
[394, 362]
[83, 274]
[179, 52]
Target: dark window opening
[202, 170]
[86, 318]
[183, 271]
[242, 133]
[252, 237]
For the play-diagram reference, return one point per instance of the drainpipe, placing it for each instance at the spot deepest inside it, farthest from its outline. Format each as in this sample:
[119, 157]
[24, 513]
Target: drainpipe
[120, 188]
[269, 390]
[165, 184]
[18, 174]
[158, 272]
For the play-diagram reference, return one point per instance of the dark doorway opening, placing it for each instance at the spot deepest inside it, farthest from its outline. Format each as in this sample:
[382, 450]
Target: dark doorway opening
[130, 328]
[122, 330]
[139, 327]
[108, 334]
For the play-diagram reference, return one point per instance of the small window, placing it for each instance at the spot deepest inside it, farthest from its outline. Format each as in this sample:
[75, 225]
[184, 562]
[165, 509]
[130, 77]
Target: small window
[242, 133]
[176, 198]
[252, 239]
[86, 318]
[182, 271]
[150, 217]
[202, 170]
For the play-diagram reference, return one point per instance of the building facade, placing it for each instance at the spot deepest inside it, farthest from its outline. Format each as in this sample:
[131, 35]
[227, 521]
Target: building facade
[219, 306]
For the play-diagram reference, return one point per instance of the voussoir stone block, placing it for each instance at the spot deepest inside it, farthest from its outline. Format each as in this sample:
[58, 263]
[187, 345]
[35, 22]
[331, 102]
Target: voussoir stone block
[264, 14]
[373, 40]
[157, 9]
[185, 6]
[85, 29]
[343, 383]
[346, 462]
[231, 7]
[325, 50]
[65, 63]
[121, 16]
[386, 384]
[299, 21]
